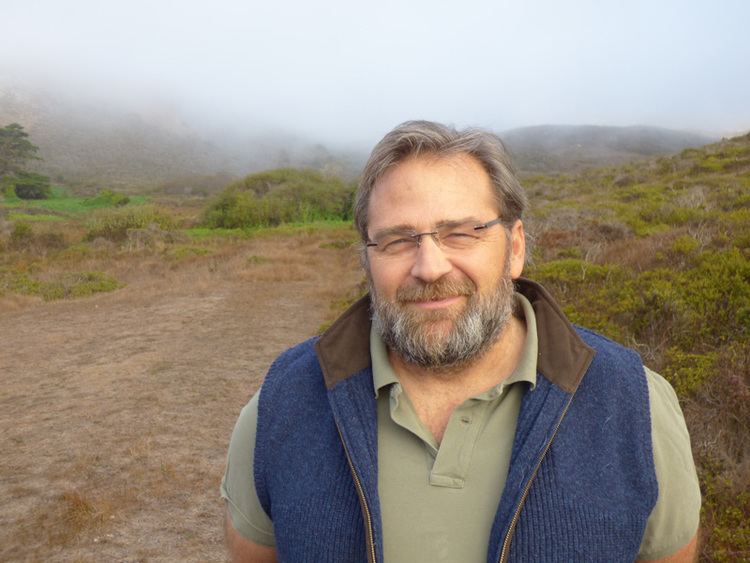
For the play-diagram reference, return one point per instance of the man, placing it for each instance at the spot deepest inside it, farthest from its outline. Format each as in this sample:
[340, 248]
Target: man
[455, 414]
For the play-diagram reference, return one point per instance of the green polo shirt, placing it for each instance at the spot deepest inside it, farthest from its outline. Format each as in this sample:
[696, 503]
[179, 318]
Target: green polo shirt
[438, 501]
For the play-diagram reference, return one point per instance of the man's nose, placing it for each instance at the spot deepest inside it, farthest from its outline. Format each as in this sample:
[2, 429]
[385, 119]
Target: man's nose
[430, 263]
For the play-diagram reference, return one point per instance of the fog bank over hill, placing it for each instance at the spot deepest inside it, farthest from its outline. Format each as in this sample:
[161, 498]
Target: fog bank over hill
[559, 148]
[89, 144]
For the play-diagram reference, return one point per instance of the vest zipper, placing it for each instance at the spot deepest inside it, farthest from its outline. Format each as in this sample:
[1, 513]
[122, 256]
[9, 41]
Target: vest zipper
[363, 502]
[517, 514]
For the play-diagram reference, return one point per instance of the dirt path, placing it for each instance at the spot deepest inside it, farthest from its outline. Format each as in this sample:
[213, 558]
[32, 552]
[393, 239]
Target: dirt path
[116, 410]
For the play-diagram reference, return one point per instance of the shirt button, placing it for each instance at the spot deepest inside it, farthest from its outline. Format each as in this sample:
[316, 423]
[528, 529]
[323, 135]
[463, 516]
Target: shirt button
[466, 420]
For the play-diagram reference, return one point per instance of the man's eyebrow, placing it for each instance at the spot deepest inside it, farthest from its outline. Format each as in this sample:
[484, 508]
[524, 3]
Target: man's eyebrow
[458, 222]
[396, 229]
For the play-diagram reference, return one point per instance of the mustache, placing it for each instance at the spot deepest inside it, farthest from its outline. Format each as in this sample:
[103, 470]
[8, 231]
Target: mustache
[440, 289]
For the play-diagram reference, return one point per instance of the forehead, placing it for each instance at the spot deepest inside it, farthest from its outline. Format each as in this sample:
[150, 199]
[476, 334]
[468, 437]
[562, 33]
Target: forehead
[425, 190]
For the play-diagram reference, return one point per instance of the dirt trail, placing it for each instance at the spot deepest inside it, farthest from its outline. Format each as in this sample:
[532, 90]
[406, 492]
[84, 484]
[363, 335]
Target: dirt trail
[116, 410]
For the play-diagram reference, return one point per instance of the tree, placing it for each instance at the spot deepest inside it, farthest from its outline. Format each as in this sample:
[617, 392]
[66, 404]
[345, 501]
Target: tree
[15, 149]
[30, 185]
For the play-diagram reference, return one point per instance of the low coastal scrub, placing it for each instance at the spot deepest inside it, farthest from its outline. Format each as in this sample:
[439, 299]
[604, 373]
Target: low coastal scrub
[280, 196]
[69, 285]
[114, 224]
[107, 198]
[657, 255]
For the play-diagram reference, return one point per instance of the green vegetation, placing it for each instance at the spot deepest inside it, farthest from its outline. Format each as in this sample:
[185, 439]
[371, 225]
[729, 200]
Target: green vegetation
[70, 285]
[285, 229]
[280, 196]
[15, 150]
[106, 198]
[34, 217]
[29, 185]
[114, 224]
[657, 255]
[23, 238]
[61, 201]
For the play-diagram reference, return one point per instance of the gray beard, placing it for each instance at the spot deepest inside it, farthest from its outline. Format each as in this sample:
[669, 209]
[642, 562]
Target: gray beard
[475, 329]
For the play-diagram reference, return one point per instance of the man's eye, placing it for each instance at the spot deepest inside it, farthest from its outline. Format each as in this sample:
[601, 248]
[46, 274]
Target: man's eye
[459, 239]
[458, 235]
[398, 243]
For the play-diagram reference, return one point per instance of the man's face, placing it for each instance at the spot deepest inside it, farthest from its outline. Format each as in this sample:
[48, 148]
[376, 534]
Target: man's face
[441, 308]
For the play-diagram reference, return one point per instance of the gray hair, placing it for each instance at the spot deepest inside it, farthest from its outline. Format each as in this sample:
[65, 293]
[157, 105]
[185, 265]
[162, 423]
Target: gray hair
[415, 138]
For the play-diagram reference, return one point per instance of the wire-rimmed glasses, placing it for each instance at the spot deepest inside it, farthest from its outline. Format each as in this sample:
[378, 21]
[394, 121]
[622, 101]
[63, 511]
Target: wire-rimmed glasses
[448, 236]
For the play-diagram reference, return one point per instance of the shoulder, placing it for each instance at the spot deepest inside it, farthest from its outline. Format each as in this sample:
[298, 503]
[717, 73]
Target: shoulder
[246, 514]
[293, 389]
[674, 520]
[615, 371]
[669, 430]
[302, 353]
[296, 366]
[606, 347]
[663, 398]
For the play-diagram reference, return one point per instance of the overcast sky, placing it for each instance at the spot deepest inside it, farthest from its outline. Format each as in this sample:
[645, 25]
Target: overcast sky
[345, 72]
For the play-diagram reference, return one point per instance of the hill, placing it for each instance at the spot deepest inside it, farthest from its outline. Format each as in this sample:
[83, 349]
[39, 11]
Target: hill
[656, 254]
[561, 148]
[87, 145]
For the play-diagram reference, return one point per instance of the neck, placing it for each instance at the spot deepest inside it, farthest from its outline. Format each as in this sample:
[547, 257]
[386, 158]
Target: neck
[436, 393]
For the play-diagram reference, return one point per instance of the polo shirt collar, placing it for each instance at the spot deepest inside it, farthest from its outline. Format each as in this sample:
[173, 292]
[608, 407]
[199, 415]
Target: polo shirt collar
[562, 356]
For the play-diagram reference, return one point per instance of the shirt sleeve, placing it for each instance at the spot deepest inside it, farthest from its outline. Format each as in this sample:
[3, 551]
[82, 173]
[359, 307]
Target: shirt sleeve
[238, 484]
[675, 518]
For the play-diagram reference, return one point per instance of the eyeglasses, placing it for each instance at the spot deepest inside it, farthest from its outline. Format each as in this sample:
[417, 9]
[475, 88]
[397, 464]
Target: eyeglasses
[449, 236]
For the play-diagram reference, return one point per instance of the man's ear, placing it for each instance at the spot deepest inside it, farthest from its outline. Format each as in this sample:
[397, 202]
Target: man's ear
[517, 249]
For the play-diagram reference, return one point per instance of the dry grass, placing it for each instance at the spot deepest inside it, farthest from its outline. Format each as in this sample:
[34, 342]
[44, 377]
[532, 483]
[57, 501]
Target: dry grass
[117, 408]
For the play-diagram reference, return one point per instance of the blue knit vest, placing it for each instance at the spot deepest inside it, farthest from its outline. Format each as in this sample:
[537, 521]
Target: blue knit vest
[580, 487]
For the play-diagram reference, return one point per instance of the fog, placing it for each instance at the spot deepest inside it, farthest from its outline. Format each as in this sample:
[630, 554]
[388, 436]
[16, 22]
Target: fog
[344, 72]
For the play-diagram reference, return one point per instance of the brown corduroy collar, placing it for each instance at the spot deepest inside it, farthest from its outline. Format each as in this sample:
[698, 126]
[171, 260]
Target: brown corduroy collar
[344, 349]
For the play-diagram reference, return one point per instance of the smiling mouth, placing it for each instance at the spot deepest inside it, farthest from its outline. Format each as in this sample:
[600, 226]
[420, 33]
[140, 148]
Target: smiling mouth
[437, 295]
[435, 303]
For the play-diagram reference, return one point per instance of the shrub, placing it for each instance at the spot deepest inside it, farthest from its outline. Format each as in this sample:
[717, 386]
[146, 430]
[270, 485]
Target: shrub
[687, 372]
[71, 285]
[114, 224]
[107, 198]
[22, 235]
[7, 187]
[679, 293]
[280, 196]
[29, 185]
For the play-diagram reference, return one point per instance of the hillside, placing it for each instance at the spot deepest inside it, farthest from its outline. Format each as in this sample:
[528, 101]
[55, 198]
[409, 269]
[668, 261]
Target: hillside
[560, 148]
[656, 254]
[87, 145]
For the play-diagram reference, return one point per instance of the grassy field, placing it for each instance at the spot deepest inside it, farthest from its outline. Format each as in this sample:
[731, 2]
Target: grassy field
[141, 322]
[67, 204]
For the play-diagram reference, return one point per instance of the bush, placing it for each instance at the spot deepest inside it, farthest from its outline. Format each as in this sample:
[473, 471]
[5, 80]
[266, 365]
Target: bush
[72, 285]
[280, 196]
[673, 283]
[107, 198]
[22, 235]
[8, 187]
[114, 224]
[29, 185]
